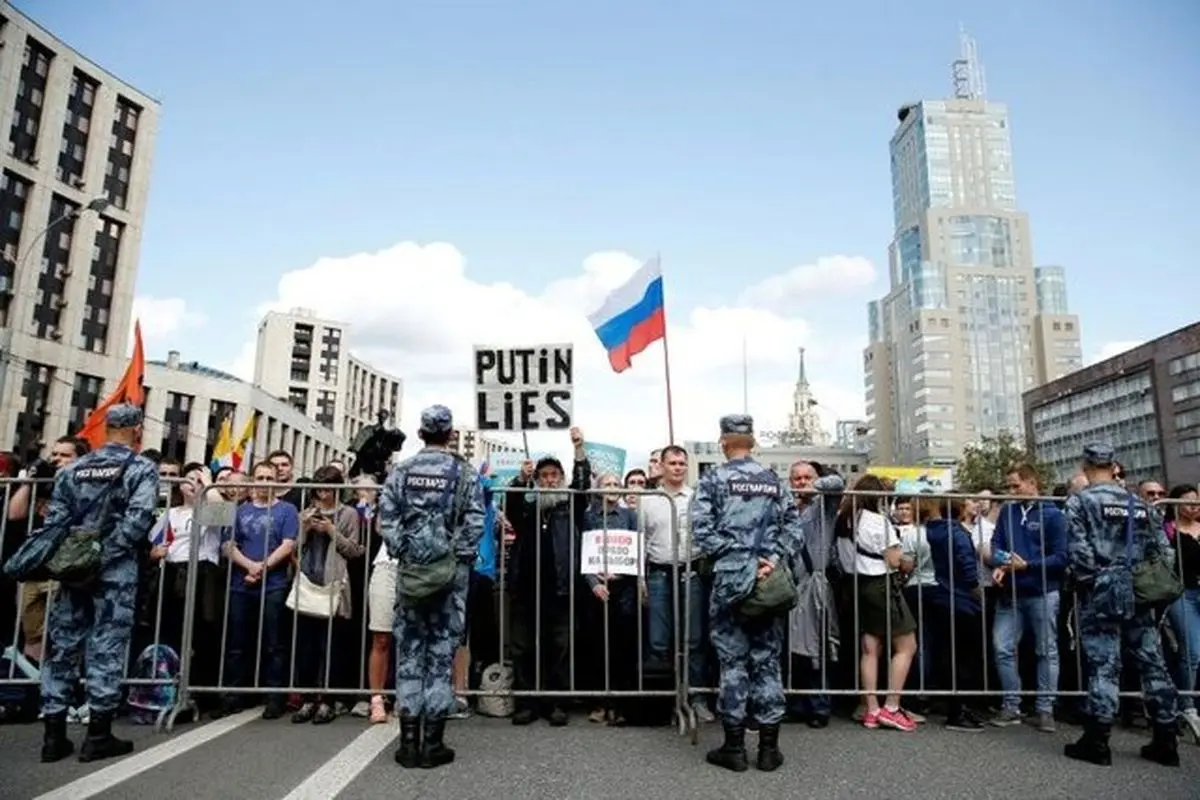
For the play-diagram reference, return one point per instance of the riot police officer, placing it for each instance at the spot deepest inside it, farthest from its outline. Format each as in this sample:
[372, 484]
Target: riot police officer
[431, 517]
[114, 491]
[1100, 519]
[744, 521]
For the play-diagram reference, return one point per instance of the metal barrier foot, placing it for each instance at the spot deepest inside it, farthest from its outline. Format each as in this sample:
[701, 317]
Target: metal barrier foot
[167, 719]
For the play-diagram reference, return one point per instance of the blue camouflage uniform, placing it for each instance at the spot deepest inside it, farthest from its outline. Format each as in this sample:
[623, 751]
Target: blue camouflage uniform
[416, 513]
[1097, 519]
[741, 511]
[115, 491]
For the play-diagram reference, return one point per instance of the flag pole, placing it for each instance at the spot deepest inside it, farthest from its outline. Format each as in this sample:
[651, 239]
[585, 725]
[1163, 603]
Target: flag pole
[667, 362]
[745, 378]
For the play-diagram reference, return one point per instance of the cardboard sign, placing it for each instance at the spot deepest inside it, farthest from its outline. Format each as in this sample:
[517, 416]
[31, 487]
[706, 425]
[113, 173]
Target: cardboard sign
[610, 552]
[524, 388]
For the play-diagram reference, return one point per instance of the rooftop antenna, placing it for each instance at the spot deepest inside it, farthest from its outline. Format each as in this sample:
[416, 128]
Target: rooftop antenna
[967, 72]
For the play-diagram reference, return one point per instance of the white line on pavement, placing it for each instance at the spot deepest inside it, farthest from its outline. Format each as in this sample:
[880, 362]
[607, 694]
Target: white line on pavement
[105, 778]
[334, 775]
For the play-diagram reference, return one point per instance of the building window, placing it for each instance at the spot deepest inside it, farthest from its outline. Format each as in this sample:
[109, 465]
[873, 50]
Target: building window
[218, 411]
[31, 96]
[120, 152]
[31, 420]
[1178, 366]
[85, 396]
[326, 401]
[93, 332]
[176, 422]
[77, 122]
[1189, 447]
[330, 354]
[302, 337]
[14, 192]
[52, 279]
[298, 398]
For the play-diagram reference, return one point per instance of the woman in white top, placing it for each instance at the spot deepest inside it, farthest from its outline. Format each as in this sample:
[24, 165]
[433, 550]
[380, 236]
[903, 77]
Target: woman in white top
[882, 614]
[171, 549]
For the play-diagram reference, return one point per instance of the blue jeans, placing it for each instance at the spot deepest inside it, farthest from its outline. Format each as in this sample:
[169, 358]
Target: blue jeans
[661, 625]
[1038, 613]
[1184, 615]
[245, 639]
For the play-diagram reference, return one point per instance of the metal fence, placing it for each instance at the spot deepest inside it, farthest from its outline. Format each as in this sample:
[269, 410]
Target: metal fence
[599, 600]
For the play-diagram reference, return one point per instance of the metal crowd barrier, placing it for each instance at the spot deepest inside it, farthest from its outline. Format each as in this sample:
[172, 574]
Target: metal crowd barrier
[562, 644]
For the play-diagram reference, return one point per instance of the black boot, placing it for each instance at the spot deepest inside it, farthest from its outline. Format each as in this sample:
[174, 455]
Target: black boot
[408, 754]
[769, 757]
[55, 744]
[434, 753]
[1092, 747]
[100, 742]
[732, 754]
[1164, 747]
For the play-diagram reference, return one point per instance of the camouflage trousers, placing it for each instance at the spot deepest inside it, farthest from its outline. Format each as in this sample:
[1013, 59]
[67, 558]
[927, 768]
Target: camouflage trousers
[90, 628]
[427, 635]
[1102, 645]
[748, 654]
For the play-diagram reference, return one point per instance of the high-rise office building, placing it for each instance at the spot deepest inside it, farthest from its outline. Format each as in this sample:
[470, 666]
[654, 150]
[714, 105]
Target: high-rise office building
[74, 177]
[969, 323]
[305, 361]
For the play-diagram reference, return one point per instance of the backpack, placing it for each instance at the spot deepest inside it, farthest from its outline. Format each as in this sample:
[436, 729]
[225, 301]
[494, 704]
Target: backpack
[147, 702]
[19, 703]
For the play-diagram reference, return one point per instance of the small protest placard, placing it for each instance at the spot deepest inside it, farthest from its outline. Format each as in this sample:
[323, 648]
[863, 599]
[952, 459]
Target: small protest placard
[611, 552]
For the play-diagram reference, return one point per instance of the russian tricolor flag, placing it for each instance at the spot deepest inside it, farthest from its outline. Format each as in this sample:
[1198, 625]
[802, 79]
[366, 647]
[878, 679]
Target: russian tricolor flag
[632, 317]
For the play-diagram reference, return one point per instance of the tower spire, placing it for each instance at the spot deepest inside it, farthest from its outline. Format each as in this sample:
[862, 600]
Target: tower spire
[967, 71]
[801, 378]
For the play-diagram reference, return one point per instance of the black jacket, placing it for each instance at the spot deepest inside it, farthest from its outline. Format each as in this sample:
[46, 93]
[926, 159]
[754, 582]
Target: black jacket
[559, 527]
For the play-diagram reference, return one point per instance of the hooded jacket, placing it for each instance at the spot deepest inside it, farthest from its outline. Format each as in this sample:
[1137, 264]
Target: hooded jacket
[1037, 532]
[955, 567]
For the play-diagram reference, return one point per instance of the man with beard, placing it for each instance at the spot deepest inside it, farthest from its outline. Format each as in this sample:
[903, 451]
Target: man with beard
[547, 522]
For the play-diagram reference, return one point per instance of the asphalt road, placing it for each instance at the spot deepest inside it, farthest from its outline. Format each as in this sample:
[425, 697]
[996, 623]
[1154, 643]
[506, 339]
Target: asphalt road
[243, 756]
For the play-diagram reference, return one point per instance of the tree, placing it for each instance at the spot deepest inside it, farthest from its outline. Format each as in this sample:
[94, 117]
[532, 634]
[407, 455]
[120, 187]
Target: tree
[985, 465]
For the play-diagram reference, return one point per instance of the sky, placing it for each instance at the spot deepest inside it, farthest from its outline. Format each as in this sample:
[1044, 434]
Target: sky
[444, 174]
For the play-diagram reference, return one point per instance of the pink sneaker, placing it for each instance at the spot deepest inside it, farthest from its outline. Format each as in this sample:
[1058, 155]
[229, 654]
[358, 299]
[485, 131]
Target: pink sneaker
[870, 719]
[896, 719]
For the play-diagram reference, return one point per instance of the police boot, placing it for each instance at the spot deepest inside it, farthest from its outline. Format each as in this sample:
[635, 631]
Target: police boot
[1092, 747]
[769, 757]
[434, 753]
[408, 754]
[732, 754]
[100, 742]
[55, 744]
[1164, 747]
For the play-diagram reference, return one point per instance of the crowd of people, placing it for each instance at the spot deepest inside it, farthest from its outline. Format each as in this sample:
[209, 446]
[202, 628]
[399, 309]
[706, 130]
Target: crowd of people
[283, 591]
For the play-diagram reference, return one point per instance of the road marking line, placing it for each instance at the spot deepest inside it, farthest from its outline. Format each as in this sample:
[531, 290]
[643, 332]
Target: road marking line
[328, 780]
[105, 778]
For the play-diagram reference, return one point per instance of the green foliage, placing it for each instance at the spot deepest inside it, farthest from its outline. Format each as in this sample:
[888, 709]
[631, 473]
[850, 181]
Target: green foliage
[985, 465]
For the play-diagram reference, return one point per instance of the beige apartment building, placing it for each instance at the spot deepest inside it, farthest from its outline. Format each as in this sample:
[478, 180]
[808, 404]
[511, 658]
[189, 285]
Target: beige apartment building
[969, 323]
[74, 176]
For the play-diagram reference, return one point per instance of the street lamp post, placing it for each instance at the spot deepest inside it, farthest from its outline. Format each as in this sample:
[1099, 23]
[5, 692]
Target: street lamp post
[96, 204]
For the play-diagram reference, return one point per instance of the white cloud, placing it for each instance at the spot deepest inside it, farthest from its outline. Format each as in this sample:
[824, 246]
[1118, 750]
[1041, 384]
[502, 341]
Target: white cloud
[802, 285]
[162, 318]
[1110, 349]
[414, 311]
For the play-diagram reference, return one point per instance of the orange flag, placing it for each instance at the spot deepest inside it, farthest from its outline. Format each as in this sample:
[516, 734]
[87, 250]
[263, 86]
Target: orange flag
[129, 390]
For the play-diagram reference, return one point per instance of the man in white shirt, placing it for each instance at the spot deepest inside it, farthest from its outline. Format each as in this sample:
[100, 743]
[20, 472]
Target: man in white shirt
[671, 561]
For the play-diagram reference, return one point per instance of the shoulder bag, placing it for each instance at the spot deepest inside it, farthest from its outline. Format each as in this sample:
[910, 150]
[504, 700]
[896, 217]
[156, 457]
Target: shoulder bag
[1156, 584]
[775, 595]
[417, 583]
[311, 599]
[77, 560]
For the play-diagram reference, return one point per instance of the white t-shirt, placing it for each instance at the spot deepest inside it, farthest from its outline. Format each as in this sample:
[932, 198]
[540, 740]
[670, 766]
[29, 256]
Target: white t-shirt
[874, 533]
[179, 538]
[916, 546]
[981, 536]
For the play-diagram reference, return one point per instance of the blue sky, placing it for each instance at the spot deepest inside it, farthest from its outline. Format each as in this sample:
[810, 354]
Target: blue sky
[737, 139]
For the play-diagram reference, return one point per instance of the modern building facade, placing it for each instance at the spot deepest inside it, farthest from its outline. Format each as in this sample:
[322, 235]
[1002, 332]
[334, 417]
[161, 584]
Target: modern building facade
[74, 178]
[703, 456]
[969, 322]
[1145, 402]
[187, 402]
[305, 361]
